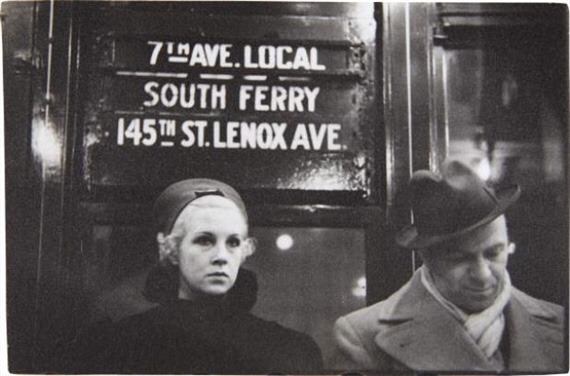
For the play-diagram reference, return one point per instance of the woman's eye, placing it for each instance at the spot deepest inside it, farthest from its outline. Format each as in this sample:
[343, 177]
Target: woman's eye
[234, 242]
[203, 240]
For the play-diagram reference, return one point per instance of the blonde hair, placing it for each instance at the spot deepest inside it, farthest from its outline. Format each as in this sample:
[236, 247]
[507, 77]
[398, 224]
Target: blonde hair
[170, 242]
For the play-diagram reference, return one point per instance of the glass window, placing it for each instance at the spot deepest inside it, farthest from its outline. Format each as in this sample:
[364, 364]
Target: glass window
[309, 277]
[506, 107]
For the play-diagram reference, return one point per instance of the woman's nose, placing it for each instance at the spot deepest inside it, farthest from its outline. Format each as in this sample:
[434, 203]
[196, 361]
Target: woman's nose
[220, 255]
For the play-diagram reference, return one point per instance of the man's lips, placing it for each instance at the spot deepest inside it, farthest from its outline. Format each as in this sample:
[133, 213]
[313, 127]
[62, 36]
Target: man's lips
[480, 291]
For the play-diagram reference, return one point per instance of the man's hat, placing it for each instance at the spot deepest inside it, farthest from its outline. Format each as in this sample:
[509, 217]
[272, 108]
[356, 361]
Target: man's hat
[177, 196]
[451, 205]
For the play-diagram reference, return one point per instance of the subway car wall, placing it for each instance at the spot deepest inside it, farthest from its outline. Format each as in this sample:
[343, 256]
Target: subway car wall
[317, 113]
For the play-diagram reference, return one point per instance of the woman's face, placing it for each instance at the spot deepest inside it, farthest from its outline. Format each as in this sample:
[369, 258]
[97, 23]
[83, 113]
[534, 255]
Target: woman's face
[213, 248]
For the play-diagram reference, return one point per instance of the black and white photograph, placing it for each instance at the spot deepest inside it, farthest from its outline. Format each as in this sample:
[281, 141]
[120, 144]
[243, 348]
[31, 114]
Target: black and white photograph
[302, 188]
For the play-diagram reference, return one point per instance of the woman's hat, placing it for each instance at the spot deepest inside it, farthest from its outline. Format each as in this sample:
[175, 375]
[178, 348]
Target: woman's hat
[177, 196]
[450, 205]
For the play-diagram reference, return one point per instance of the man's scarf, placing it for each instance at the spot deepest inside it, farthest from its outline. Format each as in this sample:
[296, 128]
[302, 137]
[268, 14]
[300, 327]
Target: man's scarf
[485, 327]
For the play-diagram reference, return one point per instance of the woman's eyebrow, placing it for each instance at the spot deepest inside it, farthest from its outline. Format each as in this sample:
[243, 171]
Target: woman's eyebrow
[208, 233]
[238, 235]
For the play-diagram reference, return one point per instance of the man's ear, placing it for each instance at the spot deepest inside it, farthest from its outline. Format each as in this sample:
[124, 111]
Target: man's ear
[167, 250]
[250, 245]
[511, 248]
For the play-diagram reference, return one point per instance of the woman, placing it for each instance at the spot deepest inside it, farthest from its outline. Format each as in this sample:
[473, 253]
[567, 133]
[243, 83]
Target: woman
[202, 325]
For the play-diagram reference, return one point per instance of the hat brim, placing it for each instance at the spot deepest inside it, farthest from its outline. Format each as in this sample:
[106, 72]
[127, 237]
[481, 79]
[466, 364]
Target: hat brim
[409, 237]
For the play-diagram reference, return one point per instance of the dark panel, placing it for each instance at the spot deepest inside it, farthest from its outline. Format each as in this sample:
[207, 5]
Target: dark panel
[175, 95]
[19, 67]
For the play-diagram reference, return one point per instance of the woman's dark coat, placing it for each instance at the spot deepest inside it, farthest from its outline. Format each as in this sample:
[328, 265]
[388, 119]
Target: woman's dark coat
[219, 337]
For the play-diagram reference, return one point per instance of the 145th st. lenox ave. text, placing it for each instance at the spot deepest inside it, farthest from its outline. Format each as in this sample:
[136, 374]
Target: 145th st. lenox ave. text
[228, 135]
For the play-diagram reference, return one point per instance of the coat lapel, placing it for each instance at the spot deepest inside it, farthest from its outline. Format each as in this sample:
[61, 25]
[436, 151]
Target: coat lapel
[424, 336]
[533, 342]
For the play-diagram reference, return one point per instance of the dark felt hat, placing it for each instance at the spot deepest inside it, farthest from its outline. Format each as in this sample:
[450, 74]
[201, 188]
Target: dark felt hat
[452, 204]
[177, 196]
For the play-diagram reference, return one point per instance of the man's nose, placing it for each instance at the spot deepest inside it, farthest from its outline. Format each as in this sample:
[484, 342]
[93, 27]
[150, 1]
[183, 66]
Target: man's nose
[480, 270]
[220, 254]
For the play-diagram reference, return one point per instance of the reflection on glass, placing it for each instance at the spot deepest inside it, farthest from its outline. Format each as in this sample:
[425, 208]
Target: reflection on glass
[284, 242]
[308, 287]
[47, 147]
[359, 290]
[506, 108]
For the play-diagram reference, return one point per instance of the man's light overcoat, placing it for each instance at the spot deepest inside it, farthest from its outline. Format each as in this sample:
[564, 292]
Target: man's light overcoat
[411, 331]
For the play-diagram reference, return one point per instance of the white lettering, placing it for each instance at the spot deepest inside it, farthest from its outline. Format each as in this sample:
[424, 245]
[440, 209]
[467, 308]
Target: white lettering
[311, 97]
[155, 51]
[317, 137]
[264, 135]
[187, 101]
[333, 135]
[244, 96]
[164, 95]
[202, 96]
[225, 56]
[301, 60]
[296, 96]
[279, 136]
[218, 143]
[260, 95]
[314, 58]
[248, 135]
[300, 138]
[232, 133]
[281, 51]
[247, 61]
[282, 57]
[183, 49]
[149, 131]
[266, 57]
[278, 98]
[198, 56]
[190, 137]
[148, 88]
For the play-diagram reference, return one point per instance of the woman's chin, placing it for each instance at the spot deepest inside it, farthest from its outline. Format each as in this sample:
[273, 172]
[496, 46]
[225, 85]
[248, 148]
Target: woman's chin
[216, 290]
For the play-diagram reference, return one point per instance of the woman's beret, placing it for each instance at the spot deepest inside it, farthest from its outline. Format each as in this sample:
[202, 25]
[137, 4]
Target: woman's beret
[177, 196]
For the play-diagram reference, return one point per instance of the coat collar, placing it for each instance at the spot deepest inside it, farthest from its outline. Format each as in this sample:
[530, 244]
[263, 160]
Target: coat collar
[539, 334]
[421, 334]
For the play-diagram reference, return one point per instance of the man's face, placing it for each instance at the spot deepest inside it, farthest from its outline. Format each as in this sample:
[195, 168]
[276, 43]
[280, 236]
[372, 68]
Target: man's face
[214, 247]
[470, 272]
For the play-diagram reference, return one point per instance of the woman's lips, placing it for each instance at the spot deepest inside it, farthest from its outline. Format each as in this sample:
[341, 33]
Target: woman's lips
[218, 274]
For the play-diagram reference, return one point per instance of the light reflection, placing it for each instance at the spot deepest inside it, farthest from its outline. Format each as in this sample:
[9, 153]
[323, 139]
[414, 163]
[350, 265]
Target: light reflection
[483, 169]
[46, 144]
[359, 290]
[284, 242]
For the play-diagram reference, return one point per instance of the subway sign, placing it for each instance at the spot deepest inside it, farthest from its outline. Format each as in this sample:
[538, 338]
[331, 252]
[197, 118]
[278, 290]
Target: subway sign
[290, 113]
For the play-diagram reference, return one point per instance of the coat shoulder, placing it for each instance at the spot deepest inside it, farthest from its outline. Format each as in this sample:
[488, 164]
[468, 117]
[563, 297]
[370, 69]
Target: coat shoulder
[540, 309]
[355, 333]
[398, 307]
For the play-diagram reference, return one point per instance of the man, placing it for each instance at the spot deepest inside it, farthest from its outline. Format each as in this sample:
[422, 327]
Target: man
[459, 311]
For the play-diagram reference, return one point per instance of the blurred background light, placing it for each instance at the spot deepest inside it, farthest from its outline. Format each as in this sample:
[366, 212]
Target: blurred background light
[284, 242]
[46, 144]
[484, 169]
[359, 290]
